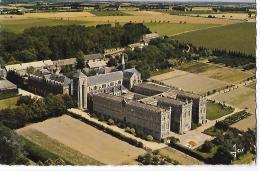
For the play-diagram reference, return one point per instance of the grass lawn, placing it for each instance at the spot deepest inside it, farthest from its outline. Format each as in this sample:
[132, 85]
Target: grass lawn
[215, 110]
[239, 37]
[195, 67]
[171, 29]
[179, 156]
[19, 25]
[9, 102]
[109, 13]
[62, 150]
[244, 159]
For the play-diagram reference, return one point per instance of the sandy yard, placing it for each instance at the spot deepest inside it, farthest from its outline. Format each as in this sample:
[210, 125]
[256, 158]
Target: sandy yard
[87, 140]
[249, 122]
[189, 81]
[242, 97]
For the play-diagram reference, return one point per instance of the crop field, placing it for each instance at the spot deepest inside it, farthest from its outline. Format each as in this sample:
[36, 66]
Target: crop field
[215, 110]
[252, 85]
[179, 156]
[8, 102]
[171, 29]
[109, 13]
[20, 25]
[238, 37]
[56, 147]
[234, 16]
[88, 140]
[145, 13]
[87, 16]
[242, 97]
[189, 81]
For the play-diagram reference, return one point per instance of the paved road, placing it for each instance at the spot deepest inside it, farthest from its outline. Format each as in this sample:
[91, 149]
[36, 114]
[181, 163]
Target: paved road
[147, 144]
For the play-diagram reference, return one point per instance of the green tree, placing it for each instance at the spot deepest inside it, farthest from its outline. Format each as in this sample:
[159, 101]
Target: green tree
[80, 60]
[11, 146]
[222, 156]
[207, 146]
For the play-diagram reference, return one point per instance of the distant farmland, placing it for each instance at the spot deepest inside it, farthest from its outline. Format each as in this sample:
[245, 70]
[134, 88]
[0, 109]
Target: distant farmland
[239, 37]
[171, 29]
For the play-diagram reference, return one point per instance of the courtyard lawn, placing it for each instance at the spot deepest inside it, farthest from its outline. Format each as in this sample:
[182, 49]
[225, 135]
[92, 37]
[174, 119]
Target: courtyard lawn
[238, 37]
[171, 29]
[195, 67]
[216, 110]
[9, 102]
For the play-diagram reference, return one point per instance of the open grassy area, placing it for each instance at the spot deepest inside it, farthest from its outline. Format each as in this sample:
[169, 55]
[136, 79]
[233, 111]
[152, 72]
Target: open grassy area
[109, 13]
[242, 97]
[75, 140]
[216, 110]
[9, 102]
[179, 156]
[229, 75]
[56, 147]
[171, 29]
[195, 67]
[237, 37]
[20, 25]
[244, 159]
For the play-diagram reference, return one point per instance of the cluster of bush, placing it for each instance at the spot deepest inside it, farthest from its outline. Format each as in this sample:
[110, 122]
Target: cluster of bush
[30, 110]
[235, 117]
[109, 131]
[155, 158]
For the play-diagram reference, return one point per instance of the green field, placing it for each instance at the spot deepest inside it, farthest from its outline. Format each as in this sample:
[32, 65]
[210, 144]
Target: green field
[9, 102]
[20, 25]
[109, 13]
[195, 67]
[239, 37]
[215, 110]
[245, 159]
[171, 29]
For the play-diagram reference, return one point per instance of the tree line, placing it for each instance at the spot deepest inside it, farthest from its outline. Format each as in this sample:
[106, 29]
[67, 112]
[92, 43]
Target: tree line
[59, 42]
[30, 110]
[162, 53]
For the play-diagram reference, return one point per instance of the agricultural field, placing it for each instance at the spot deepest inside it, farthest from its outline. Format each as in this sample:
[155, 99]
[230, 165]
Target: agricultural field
[171, 29]
[252, 85]
[56, 147]
[189, 81]
[229, 75]
[19, 25]
[86, 139]
[8, 102]
[241, 97]
[179, 156]
[216, 110]
[109, 13]
[241, 37]
[234, 16]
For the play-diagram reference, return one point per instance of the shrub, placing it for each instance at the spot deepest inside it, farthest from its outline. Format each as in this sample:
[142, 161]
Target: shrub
[132, 130]
[207, 146]
[111, 122]
[149, 138]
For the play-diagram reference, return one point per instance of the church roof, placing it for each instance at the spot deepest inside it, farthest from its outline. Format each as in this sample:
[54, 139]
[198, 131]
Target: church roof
[104, 78]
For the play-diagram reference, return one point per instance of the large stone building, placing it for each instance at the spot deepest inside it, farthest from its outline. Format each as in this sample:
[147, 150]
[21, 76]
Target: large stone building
[181, 113]
[110, 83]
[46, 82]
[146, 119]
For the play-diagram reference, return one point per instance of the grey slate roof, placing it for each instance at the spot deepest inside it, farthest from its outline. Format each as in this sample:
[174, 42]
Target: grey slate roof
[152, 87]
[170, 101]
[93, 56]
[129, 72]
[6, 85]
[104, 78]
